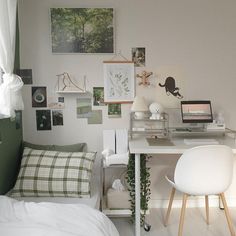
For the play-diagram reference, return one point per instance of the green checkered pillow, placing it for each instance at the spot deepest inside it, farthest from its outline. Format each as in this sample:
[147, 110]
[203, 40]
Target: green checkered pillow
[54, 174]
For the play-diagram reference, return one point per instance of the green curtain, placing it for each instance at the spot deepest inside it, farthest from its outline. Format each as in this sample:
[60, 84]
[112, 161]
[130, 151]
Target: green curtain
[17, 48]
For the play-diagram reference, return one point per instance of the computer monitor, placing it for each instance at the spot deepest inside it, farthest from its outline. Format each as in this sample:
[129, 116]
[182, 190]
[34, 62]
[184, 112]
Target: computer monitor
[196, 112]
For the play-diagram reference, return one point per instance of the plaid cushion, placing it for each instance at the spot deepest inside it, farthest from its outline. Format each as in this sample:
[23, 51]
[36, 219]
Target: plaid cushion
[54, 174]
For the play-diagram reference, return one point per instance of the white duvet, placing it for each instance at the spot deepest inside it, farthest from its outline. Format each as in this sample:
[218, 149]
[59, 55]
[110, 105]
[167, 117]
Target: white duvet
[18, 218]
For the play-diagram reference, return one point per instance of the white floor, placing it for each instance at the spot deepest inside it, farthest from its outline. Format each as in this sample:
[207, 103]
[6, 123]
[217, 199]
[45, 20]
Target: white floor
[194, 225]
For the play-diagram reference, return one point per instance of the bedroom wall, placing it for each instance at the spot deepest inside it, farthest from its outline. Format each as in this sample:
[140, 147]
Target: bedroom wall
[194, 37]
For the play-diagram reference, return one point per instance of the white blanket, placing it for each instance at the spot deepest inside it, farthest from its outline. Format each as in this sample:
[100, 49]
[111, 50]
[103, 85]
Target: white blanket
[18, 218]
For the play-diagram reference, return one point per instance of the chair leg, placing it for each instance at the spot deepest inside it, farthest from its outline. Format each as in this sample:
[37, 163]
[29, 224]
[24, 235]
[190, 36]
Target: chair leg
[207, 209]
[181, 223]
[169, 206]
[222, 196]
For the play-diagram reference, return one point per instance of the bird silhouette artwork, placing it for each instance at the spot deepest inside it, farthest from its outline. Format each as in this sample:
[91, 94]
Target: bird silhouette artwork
[170, 87]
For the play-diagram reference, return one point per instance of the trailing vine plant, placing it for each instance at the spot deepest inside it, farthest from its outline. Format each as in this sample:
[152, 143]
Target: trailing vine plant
[144, 185]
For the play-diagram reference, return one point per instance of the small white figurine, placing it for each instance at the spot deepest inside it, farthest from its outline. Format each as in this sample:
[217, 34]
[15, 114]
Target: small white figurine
[156, 110]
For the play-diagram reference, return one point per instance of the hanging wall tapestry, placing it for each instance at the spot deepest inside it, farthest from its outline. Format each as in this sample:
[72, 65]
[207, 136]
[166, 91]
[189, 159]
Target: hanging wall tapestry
[118, 81]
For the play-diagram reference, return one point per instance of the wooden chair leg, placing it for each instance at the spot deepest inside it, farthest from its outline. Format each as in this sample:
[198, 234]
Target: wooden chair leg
[169, 206]
[181, 223]
[222, 196]
[207, 209]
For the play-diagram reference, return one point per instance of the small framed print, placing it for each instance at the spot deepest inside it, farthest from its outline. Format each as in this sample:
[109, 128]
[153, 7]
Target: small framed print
[98, 96]
[57, 117]
[138, 57]
[39, 97]
[43, 119]
[114, 110]
[84, 107]
[26, 75]
[56, 102]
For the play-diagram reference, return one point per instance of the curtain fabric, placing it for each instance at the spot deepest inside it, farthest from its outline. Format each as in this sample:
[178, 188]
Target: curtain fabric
[10, 89]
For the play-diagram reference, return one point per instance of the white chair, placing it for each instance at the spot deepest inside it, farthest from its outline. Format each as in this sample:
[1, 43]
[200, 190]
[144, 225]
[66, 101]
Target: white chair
[203, 170]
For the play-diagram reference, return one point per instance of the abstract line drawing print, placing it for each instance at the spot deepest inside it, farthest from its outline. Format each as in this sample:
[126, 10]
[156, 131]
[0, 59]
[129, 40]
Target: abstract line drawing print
[119, 82]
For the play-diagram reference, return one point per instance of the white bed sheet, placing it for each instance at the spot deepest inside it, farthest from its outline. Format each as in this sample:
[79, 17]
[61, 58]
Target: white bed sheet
[19, 218]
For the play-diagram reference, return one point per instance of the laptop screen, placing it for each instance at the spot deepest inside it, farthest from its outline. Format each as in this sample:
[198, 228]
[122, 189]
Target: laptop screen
[196, 112]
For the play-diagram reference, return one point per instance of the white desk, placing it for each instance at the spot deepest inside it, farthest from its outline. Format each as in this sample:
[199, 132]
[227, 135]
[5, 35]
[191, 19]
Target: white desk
[138, 146]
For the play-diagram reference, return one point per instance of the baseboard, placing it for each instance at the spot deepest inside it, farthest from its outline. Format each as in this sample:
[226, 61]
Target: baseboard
[192, 202]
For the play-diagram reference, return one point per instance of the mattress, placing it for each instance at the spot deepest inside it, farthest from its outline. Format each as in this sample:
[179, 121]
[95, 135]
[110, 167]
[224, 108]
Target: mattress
[93, 202]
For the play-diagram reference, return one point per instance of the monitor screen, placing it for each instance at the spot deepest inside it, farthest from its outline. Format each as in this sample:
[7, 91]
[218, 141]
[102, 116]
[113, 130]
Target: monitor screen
[196, 112]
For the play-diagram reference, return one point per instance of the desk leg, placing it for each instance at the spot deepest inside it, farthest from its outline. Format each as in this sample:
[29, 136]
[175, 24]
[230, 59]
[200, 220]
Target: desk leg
[137, 194]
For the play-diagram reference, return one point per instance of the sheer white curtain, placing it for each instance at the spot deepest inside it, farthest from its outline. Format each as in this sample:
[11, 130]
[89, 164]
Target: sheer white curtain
[10, 89]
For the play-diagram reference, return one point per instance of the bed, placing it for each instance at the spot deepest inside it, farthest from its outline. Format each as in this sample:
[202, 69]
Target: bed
[19, 218]
[57, 215]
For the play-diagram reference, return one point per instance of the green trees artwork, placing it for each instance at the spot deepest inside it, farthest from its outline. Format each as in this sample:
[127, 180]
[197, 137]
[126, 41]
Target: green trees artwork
[82, 30]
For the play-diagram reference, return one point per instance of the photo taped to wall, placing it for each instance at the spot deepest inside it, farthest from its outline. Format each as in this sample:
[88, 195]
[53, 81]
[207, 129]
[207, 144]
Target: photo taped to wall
[138, 57]
[114, 110]
[26, 75]
[43, 119]
[56, 102]
[98, 96]
[39, 97]
[96, 117]
[57, 117]
[84, 107]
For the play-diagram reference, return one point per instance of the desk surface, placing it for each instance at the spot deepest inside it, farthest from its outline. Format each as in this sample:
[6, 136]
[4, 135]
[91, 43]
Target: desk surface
[140, 145]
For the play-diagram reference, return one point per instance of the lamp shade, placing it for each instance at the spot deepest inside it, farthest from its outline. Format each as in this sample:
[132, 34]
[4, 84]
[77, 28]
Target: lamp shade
[139, 104]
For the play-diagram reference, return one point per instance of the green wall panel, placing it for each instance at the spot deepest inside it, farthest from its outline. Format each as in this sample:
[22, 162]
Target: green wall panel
[10, 149]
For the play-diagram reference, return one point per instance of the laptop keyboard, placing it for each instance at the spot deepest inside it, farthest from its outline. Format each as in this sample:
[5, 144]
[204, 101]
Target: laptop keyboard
[201, 141]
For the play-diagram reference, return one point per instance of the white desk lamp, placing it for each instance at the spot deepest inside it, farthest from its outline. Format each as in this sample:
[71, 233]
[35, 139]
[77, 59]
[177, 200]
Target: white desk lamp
[139, 107]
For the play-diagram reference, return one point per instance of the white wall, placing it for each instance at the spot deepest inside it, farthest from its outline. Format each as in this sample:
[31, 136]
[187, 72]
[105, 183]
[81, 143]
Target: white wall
[197, 37]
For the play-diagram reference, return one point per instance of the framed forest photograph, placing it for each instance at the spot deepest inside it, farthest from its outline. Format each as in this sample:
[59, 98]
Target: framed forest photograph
[82, 30]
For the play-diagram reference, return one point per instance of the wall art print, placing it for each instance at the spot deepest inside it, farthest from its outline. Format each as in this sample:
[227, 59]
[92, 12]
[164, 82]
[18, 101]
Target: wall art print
[98, 96]
[57, 117]
[39, 97]
[118, 81]
[84, 107]
[170, 85]
[43, 119]
[26, 75]
[96, 117]
[114, 110]
[18, 119]
[56, 102]
[138, 57]
[82, 30]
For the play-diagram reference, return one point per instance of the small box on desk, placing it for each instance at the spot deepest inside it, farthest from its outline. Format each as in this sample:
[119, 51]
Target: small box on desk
[215, 127]
[118, 199]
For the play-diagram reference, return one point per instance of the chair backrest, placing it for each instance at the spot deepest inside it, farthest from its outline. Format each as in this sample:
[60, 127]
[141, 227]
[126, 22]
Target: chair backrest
[205, 170]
